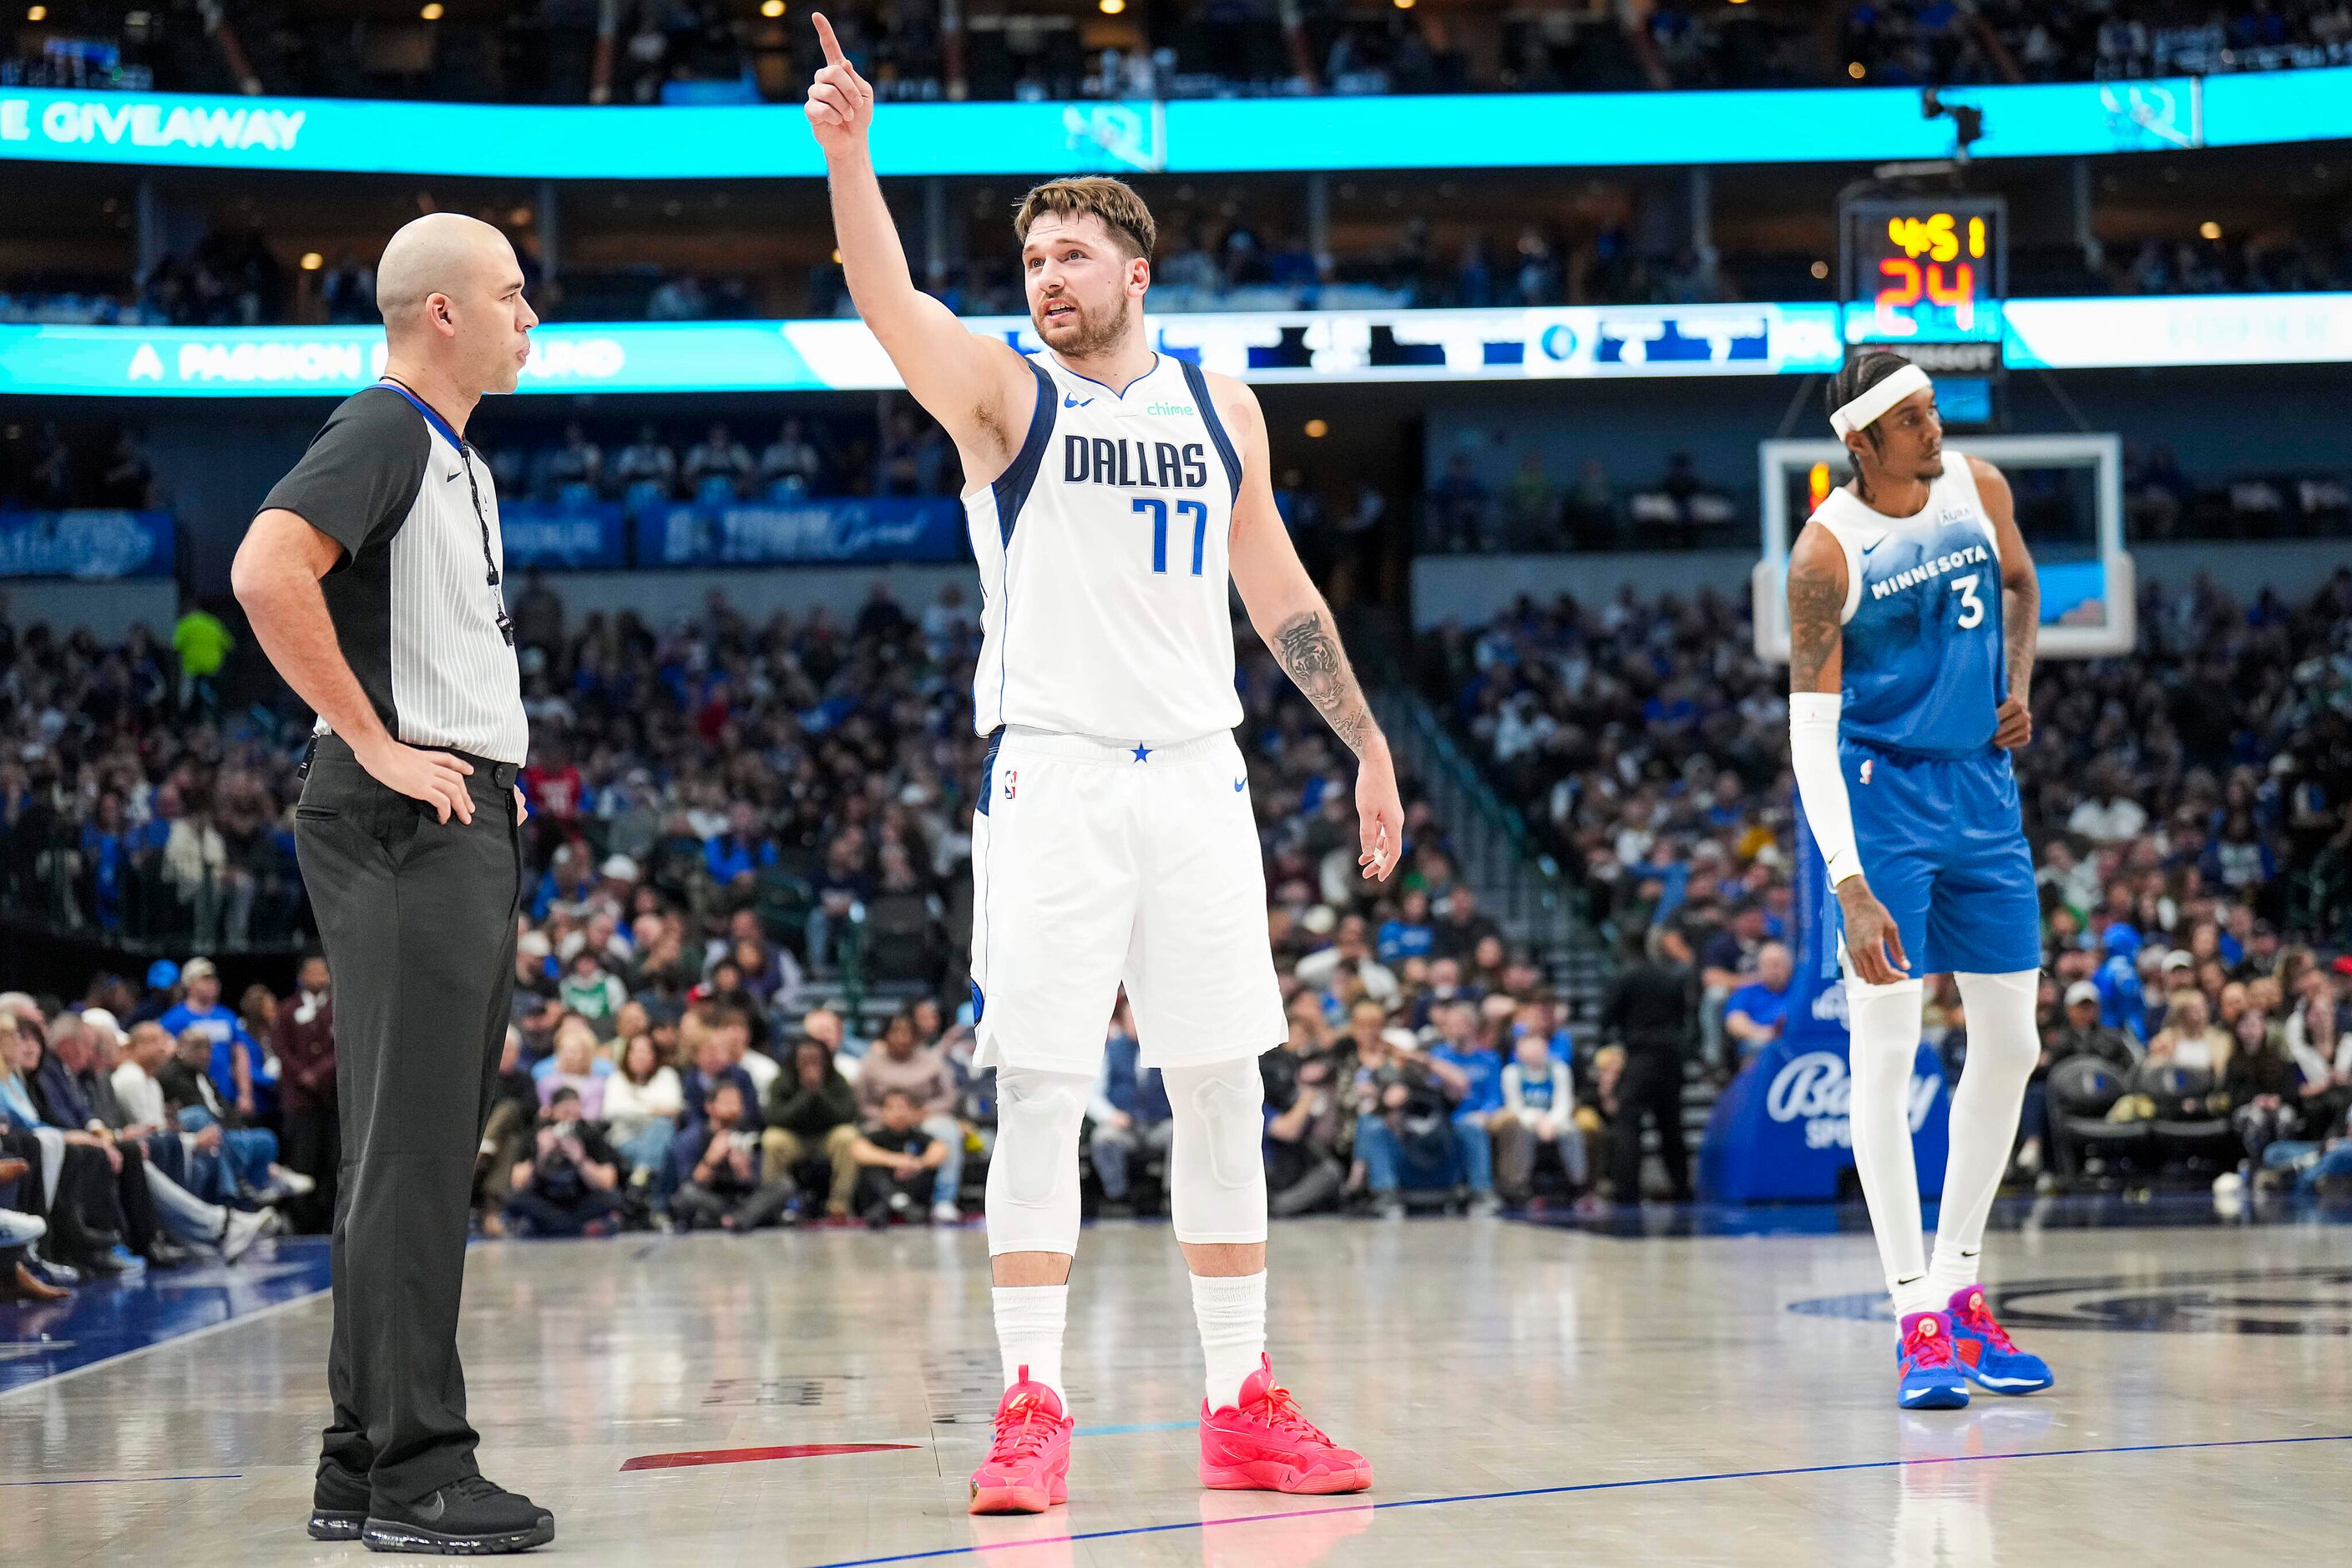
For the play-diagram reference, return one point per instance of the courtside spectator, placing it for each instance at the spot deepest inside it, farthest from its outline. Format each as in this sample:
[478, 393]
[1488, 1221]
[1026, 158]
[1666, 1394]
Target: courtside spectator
[898, 1162]
[570, 1184]
[1129, 1113]
[900, 1059]
[813, 1119]
[1538, 1111]
[720, 1157]
[643, 1101]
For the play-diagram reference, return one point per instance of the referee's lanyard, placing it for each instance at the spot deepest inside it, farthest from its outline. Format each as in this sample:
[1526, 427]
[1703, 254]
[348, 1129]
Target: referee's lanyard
[466, 460]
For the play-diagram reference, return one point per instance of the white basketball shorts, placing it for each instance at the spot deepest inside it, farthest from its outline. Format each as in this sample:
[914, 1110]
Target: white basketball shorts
[1099, 863]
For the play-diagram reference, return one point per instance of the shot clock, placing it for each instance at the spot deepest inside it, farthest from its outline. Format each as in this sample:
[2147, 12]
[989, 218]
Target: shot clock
[1931, 268]
[1926, 275]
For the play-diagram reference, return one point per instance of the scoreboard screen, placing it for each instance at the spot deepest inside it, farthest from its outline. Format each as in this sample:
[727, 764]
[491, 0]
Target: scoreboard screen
[1923, 269]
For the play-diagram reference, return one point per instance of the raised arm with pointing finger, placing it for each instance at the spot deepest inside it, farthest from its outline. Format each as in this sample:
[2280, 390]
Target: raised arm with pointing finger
[977, 388]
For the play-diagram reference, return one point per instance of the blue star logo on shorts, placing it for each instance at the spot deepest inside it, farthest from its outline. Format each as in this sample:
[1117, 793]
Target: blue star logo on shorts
[1143, 752]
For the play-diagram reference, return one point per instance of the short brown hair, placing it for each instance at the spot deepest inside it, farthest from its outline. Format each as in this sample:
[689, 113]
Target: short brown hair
[1091, 195]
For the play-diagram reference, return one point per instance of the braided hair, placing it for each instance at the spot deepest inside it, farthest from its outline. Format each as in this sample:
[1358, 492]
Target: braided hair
[1856, 376]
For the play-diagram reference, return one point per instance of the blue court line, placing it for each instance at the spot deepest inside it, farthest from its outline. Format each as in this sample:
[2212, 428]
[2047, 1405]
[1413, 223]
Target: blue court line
[116, 1480]
[1586, 1486]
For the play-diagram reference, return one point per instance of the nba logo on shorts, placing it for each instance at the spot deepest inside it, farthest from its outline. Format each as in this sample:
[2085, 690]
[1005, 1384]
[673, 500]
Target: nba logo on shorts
[1012, 783]
[1865, 770]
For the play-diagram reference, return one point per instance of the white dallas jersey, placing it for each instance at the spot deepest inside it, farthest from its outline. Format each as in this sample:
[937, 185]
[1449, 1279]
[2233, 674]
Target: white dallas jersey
[1102, 553]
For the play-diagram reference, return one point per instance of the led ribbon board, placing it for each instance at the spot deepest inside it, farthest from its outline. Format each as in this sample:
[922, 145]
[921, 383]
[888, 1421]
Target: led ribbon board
[1567, 343]
[1493, 131]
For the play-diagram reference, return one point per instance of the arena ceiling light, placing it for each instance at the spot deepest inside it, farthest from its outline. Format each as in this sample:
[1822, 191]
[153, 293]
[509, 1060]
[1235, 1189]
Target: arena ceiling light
[312, 261]
[2210, 229]
[772, 9]
[432, 11]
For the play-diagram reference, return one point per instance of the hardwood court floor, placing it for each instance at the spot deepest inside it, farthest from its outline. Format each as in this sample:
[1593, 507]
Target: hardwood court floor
[1530, 1395]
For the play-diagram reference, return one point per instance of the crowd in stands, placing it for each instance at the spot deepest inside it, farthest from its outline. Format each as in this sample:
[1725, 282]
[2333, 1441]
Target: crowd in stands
[1529, 510]
[739, 996]
[739, 981]
[699, 51]
[137, 1130]
[2191, 813]
[906, 454]
[1937, 41]
[45, 468]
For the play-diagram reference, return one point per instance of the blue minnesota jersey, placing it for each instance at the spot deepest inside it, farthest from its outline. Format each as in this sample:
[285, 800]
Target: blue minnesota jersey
[1926, 668]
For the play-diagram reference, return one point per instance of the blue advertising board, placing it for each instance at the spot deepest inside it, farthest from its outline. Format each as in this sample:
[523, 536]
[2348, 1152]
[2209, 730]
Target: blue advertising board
[575, 534]
[1780, 1133]
[771, 140]
[92, 545]
[783, 533]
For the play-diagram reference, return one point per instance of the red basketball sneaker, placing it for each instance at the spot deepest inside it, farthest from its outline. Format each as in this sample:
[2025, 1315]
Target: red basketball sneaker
[1262, 1444]
[1028, 1466]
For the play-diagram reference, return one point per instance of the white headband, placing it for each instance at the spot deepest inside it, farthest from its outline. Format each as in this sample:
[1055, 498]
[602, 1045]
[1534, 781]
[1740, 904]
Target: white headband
[1865, 410]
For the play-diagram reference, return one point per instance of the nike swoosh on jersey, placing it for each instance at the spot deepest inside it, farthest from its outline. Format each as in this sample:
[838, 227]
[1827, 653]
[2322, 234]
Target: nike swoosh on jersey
[1069, 402]
[1240, 784]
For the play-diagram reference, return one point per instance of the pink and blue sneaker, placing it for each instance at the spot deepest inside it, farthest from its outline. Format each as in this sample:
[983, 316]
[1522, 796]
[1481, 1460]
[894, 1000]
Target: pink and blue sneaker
[1927, 1371]
[1986, 1353]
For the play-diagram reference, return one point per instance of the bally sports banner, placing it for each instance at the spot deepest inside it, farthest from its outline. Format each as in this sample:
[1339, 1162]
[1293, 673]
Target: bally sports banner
[1780, 1131]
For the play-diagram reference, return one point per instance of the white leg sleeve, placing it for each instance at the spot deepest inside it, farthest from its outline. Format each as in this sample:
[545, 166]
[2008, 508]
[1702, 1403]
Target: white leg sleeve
[2003, 1046]
[1032, 1171]
[1216, 1169]
[1883, 1022]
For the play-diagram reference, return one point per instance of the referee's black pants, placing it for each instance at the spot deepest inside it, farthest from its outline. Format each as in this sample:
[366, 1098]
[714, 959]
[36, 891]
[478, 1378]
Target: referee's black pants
[418, 920]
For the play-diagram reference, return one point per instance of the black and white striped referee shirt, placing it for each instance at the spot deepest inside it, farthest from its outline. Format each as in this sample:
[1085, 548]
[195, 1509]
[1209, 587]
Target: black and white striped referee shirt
[415, 599]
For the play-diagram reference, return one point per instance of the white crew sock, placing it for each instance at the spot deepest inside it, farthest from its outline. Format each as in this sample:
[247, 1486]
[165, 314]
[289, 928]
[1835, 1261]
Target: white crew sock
[1029, 1321]
[1949, 1271]
[1231, 1311]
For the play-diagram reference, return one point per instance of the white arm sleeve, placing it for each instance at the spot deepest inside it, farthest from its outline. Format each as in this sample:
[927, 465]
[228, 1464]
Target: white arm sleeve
[1820, 784]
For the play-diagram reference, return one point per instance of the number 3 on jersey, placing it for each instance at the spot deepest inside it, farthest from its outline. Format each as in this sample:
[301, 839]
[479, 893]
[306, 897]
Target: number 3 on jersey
[1158, 509]
[1972, 607]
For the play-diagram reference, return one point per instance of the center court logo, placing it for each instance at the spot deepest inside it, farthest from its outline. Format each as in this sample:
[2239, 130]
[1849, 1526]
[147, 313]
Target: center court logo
[1815, 1089]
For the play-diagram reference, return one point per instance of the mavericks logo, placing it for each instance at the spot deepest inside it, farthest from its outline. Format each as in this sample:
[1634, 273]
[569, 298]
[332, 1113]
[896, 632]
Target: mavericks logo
[1815, 1089]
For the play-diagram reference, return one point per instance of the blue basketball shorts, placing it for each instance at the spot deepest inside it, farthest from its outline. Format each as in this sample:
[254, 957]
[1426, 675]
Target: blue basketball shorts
[1944, 846]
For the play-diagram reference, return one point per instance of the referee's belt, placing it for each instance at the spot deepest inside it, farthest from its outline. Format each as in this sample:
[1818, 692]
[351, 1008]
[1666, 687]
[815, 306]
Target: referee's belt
[501, 774]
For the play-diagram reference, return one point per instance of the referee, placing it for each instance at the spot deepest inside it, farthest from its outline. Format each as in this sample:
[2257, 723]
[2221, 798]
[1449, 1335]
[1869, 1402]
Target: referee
[372, 575]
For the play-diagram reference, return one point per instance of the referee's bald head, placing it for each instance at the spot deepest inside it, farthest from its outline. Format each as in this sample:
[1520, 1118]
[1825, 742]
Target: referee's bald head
[450, 290]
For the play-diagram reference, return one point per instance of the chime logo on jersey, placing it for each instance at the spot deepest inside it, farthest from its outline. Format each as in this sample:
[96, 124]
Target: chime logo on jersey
[1134, 465]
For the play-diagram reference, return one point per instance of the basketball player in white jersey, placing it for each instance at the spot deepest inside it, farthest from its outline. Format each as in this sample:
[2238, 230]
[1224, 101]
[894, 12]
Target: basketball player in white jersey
[1112, 493]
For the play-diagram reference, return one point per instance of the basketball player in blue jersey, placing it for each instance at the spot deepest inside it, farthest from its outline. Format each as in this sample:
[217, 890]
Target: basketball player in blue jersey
[1913, 609]
[1112, 496]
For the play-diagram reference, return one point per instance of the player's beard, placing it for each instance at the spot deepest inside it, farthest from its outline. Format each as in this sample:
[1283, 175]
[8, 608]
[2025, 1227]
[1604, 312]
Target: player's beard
[1087, 337]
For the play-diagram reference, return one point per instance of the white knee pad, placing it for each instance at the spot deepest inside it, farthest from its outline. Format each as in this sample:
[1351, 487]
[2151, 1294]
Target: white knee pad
[1216, 1169]
[1032, 1173]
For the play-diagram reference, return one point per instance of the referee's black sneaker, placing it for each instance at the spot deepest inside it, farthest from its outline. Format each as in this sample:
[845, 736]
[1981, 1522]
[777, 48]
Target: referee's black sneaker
[475, 1517]
[339, 1504]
